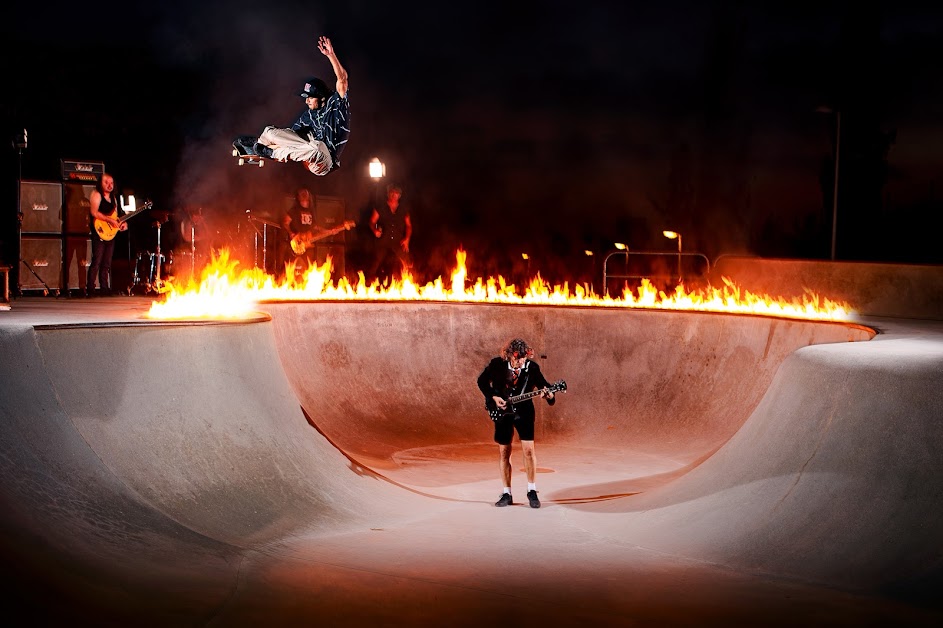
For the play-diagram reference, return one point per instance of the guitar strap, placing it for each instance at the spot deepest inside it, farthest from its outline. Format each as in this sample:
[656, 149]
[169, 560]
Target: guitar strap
[523, 386]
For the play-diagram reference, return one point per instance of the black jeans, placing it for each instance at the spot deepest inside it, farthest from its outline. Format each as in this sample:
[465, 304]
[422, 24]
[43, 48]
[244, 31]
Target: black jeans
[102, 252]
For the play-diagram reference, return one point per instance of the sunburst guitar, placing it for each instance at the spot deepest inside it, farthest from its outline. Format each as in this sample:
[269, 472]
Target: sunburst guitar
[301, 241]
[106, 232]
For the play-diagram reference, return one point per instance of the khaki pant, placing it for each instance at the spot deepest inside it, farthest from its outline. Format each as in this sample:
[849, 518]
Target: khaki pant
[288, 145]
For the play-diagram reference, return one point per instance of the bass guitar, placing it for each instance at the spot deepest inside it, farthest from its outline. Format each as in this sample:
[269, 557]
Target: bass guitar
[496, 412]
[106, 232]
[301, 241]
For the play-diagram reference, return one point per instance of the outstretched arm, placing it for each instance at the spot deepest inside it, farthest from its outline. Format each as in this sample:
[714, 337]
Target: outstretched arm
[327, 49]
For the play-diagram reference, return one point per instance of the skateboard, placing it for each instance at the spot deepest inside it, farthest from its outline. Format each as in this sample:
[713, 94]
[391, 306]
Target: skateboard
[244, 148]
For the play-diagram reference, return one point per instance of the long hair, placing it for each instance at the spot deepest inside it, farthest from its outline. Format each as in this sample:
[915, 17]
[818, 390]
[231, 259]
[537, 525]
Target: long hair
[517, 348]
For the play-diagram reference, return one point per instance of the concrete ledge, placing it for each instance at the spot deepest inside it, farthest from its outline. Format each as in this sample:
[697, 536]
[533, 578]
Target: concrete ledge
[872, 289]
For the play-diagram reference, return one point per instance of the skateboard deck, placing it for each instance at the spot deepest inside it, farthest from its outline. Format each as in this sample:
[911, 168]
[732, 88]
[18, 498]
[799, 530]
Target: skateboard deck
[244, 149]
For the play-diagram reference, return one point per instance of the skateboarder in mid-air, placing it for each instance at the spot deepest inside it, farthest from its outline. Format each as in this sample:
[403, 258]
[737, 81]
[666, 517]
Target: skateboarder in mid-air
[320, 133]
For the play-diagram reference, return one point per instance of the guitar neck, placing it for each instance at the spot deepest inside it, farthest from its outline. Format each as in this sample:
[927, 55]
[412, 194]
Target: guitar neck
[524, 396]
[137, 211]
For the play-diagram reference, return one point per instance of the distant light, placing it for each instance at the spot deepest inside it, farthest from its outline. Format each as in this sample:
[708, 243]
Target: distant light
[525, 256]
[588, 252]
[130, 207]
[377, 169]
[671, 235]
[621, 246]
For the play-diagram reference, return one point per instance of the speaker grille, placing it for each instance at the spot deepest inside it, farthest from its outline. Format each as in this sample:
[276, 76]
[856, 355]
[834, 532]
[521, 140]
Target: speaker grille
[329, 214]
[41, 206]
[77, 208]
[44, 257]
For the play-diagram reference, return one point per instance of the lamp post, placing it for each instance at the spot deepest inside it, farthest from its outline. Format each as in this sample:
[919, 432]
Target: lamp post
[672, 235]
[377, 170]
[835, 184]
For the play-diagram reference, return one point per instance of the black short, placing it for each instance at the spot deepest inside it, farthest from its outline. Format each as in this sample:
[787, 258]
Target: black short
[505, 426]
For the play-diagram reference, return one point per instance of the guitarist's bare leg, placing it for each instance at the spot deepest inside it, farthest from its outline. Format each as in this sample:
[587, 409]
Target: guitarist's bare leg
[530, 460]
[504, 463]
[530, 467]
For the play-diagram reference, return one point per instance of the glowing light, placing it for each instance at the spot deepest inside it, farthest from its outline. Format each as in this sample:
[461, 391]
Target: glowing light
[130, 207]
[377, 169]
[621, 246]
[224, 291]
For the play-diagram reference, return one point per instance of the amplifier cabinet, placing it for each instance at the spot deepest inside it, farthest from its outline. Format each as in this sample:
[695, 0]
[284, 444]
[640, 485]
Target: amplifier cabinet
[41, 207]
[42, 256]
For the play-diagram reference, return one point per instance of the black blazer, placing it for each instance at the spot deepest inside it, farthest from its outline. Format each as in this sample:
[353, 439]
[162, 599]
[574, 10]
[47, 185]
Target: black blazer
[495, 381]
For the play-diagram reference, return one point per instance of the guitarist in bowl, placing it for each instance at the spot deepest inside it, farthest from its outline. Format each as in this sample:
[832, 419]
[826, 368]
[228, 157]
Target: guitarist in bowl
[103, 209]
[512, 374]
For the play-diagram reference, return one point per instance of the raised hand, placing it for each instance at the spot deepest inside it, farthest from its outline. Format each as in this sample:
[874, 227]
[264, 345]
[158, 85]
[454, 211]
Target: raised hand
[324, 45]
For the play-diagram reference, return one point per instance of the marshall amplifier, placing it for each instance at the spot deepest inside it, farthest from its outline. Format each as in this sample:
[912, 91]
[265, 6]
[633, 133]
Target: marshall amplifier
[77, 208]
[329, 212]
[78, 257]
[82, 171]
[41, 207]
[40, 263]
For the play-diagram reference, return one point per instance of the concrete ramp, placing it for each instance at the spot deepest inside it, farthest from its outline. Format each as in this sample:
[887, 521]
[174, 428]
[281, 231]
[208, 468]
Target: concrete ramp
[649, 392]
[138, 444]
[334, 464]
[837, 476]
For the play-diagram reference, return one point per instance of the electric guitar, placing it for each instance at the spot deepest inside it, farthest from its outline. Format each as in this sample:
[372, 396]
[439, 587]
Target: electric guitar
[496, 412]
[106, 232]
[301, 241]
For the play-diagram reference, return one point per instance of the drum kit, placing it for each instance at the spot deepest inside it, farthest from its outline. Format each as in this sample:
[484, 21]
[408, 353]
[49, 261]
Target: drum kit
[252, 242]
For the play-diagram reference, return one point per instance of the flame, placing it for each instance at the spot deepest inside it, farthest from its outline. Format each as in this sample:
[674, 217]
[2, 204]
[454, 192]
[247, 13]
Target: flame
[224, 291]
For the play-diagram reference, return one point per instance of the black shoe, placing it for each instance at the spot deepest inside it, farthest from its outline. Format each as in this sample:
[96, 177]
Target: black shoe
[506, 500]
[532, 498]
[262, 150]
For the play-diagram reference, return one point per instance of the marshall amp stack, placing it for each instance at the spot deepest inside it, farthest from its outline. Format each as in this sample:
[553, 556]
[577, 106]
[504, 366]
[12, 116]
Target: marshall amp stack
[55, 247]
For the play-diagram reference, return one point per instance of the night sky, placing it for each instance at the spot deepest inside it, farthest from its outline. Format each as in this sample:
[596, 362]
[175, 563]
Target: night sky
[539, 127]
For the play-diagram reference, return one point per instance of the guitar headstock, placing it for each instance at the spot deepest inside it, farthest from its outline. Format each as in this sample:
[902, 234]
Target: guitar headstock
[558, 386]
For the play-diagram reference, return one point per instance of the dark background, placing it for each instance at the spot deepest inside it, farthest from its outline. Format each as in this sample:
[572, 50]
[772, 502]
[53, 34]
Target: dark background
[541, 127]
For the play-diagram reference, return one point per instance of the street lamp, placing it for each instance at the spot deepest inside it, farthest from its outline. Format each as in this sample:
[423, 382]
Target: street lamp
[621, 246]
[835, 186]
[672, 235]
[377, 171]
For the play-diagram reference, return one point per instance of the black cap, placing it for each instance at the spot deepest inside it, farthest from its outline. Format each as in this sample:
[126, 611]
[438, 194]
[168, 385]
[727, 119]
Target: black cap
[315, 88]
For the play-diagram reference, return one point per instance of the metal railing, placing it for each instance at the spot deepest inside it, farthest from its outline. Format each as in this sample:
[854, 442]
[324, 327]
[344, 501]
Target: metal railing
[675, 258]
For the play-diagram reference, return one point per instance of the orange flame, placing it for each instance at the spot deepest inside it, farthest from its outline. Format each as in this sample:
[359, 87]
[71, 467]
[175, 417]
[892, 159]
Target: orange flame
[223, 291]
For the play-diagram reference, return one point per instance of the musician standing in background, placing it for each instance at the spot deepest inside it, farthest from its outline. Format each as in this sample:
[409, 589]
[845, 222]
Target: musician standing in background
[299, 223]
[103, 207]
[392, 225]
[514, 373]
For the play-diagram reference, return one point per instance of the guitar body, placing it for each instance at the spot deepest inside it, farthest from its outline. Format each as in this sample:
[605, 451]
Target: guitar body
[301, 241]
[107, 232]
[497, 413]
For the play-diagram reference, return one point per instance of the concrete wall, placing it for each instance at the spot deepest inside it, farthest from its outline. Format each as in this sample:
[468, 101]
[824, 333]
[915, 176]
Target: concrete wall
[872, 289]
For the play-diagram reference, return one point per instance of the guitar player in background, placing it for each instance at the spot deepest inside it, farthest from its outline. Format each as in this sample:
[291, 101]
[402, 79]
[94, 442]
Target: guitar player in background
[515, 373]
[392, 225]
[298, 223]
[302, 232]
[104, 208]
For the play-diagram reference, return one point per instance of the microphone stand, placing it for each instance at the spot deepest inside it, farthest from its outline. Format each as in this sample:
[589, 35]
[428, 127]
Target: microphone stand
[20, 144]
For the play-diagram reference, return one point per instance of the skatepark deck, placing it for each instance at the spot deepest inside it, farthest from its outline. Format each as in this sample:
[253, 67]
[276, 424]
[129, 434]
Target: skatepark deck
[331, 463]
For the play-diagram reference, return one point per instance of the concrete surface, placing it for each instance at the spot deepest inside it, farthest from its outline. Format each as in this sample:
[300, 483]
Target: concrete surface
[331, 464]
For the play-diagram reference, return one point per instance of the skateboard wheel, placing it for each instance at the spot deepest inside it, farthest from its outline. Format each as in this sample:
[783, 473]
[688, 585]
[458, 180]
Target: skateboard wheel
[241, 161]
[261, 163]
[235, 153]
